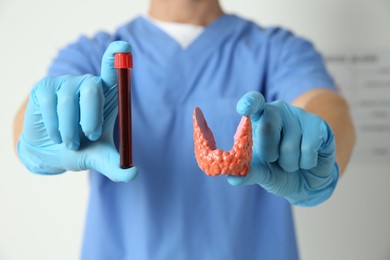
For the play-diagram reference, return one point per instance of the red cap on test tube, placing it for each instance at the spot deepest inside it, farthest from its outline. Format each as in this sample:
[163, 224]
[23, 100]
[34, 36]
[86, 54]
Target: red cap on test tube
[123, 60]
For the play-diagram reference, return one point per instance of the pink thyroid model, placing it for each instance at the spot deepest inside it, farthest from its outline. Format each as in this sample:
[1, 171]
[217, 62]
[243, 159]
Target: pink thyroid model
[215, 161]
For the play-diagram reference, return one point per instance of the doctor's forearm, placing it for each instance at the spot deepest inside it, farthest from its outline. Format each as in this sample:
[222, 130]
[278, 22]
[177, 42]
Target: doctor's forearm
[18, 123]
[334, 109]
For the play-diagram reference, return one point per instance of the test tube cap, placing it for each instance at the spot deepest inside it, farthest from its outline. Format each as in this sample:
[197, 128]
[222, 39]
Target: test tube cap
[123, 60]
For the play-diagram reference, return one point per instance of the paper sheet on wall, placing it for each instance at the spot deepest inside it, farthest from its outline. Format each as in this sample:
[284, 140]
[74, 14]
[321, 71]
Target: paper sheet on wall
[364, 79]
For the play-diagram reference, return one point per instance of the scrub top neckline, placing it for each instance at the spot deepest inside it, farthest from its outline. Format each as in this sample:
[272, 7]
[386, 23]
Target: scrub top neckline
[183, 33]
[212, 33]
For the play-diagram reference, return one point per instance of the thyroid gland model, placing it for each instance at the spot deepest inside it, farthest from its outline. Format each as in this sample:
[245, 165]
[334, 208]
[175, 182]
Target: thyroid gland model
[215, 161]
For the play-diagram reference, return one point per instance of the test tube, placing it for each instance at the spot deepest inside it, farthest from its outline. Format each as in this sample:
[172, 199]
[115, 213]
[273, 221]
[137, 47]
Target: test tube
[123, 63]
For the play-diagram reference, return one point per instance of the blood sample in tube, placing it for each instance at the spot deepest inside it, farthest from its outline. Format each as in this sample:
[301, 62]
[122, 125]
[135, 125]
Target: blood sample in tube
[123, 63]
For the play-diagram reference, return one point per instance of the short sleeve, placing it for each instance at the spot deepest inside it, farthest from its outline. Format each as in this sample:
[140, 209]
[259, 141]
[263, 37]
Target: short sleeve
[294, 67]
[82, 57]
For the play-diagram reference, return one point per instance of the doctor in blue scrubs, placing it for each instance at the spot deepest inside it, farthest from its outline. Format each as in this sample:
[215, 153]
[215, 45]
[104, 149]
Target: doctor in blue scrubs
[190, 53]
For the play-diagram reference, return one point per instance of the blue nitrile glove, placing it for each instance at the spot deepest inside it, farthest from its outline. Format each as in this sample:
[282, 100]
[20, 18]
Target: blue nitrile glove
[69, 123]
[294, 152]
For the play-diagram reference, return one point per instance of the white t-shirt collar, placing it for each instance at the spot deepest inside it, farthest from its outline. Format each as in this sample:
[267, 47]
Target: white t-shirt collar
[184, 34]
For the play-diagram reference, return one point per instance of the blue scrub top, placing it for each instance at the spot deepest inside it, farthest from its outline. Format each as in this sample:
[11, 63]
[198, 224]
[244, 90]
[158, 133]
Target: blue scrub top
[173, 210]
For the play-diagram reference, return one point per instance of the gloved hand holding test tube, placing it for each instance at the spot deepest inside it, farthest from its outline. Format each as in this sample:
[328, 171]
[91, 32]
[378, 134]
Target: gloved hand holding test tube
[70, 120]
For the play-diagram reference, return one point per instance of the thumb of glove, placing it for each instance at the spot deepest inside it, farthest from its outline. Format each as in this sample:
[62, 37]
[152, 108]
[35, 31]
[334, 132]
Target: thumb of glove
[105, 159]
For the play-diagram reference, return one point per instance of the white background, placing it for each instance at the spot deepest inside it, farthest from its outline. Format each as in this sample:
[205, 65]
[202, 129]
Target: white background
[42, 217]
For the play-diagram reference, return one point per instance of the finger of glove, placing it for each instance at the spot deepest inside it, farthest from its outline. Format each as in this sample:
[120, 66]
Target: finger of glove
[45, 98]
[259, 173]
[251, 104]
[68, 110]
[269, 176]
[104, 158]
[290, 145]
[326, 152]
[279, 182]
[267, 134]
[241, 180]
[91, 107]
[108, 72]
[311, 139]
[252, 177]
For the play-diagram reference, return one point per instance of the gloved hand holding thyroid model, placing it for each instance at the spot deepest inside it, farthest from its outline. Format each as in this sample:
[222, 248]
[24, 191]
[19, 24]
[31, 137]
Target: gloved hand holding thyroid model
[70, 120]
[293, 153]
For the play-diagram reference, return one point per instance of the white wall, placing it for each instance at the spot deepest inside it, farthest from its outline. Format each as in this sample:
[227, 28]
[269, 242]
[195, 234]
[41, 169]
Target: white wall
[42, 217]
